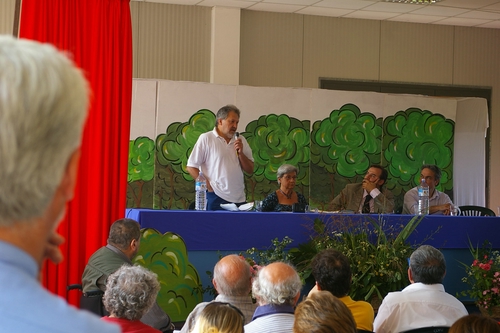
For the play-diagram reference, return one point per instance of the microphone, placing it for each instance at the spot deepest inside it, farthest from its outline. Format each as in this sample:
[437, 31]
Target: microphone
[237, 135]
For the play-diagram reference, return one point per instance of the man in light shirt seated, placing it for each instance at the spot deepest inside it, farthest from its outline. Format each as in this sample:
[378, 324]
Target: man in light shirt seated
[439, 202]
[424, 302]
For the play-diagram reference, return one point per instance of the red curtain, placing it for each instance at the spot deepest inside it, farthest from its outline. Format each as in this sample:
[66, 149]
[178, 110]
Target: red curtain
[98, 34]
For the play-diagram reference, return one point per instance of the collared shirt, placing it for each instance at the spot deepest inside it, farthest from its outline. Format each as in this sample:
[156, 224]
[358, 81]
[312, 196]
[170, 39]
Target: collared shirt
[272, 319]
[25, 306]
[244, 303]
[220, 163]
[411, 200]
[418, 305]
[373, 194]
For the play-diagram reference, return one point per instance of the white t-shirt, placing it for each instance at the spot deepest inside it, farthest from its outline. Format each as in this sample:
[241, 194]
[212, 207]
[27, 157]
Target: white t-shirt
[218, 161]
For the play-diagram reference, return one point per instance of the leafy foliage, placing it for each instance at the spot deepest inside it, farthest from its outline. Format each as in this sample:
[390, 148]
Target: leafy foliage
[276, 252]
[378, 253]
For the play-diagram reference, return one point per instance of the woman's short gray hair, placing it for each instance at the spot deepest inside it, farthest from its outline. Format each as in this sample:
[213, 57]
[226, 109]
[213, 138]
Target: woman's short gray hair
[130, 292]
[286, 168]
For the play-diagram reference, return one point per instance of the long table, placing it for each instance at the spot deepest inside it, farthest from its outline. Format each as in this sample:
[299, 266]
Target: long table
[208, 235]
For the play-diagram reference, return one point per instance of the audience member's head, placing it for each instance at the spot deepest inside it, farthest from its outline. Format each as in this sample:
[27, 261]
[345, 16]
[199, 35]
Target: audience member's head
[332, 272]
[219, 317]
[427, 265]
[277, 284]
[130, 292]
[475, 323]
[125, 234]
[232, 276]
[322, 312]
[43, 106]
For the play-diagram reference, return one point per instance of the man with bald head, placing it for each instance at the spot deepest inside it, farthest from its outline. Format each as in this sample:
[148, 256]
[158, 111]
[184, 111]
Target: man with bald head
[277, 290]
[233, 281]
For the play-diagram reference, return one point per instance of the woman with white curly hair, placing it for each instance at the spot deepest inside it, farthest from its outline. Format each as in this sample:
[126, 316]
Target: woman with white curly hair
[130, 292]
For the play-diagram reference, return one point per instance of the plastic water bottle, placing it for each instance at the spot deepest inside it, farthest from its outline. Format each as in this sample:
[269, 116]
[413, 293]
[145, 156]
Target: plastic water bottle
[201, 192]
[423, 198]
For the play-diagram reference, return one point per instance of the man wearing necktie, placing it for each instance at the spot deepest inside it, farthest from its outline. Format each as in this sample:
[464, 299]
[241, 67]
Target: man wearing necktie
[367, 196]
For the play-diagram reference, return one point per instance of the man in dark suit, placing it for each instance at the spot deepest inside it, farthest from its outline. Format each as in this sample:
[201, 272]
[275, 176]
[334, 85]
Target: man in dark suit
[367, 196]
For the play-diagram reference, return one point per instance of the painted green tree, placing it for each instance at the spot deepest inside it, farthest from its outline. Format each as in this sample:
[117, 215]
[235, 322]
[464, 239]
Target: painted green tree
[166, 255]
[342, 148]
[276, 140]
[175, 186]
[141, 162]
[415, 137]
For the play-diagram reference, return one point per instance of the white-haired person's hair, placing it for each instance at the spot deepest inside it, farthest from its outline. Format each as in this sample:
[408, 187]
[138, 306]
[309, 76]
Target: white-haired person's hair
[271, 292]
[130, 292]
[43, 105]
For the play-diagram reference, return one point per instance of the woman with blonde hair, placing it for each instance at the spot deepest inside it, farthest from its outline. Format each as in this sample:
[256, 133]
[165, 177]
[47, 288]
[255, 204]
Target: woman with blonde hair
[322, 312]
[219, 317]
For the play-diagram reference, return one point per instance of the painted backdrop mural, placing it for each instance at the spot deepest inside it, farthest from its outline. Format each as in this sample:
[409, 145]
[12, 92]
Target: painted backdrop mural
[338, 150]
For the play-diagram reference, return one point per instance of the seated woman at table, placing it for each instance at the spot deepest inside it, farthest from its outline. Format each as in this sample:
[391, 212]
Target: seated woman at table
[283, 198]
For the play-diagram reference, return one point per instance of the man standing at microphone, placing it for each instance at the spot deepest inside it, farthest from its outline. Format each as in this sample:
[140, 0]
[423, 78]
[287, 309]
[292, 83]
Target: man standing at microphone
[222, 155]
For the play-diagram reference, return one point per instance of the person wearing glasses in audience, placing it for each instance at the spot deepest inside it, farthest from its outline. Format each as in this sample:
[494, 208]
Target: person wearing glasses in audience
[368, 196]
[219, 317]
[283, 198]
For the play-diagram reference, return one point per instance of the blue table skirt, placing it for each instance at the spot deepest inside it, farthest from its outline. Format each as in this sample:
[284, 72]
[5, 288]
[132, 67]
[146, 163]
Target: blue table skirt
[230, 231]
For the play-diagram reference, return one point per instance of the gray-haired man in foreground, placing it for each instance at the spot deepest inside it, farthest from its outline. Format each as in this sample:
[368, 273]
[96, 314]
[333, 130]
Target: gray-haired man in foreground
[43, 107]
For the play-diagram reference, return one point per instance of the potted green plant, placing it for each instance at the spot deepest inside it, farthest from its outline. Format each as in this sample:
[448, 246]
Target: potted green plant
[378, 253]
[483, 278]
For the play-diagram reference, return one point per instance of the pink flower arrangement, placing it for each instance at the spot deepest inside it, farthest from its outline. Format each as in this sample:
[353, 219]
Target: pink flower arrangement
[483, 277]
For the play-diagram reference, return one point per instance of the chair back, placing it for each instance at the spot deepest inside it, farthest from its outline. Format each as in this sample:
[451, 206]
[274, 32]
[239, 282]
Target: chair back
[93, 303]
[90, 301]
[476, 211]
[430, 329]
